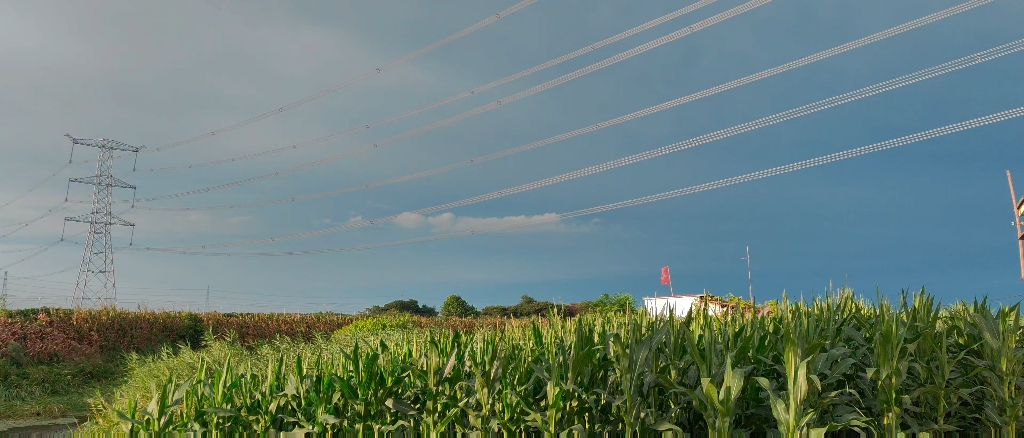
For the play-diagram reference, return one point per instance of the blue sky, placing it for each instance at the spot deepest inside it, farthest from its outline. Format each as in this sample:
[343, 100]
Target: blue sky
[933, 214]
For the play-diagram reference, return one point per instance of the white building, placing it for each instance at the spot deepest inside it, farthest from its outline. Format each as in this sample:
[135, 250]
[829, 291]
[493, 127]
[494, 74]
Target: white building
[680, 305]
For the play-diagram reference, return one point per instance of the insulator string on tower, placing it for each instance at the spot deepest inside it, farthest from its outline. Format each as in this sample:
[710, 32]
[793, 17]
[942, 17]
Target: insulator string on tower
[664, 150]
[552, 83]
[595, 127]
[779, 170]
[623, 35]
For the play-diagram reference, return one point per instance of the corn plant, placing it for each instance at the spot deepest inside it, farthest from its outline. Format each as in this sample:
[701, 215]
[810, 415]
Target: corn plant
[1000, 359]
[811, 365]
[808, 368]
[714, 343]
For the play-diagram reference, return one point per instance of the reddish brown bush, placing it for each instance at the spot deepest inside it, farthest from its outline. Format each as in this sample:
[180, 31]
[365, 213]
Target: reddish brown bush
[69, 335]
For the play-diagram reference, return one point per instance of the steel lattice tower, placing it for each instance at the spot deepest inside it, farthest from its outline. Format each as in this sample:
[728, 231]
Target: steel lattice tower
[96, 276]
[3, 292]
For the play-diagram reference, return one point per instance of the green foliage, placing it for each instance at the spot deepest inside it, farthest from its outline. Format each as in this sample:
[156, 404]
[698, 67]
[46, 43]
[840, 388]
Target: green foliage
[805, 369]
[527, 307]
[194, 330]
[53, 390]
[379, 324]
[619, 303]
[411, 307]
[455, 306]
[16, 355]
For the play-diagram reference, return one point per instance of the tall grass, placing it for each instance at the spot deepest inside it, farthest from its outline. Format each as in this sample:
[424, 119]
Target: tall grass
[834, 363]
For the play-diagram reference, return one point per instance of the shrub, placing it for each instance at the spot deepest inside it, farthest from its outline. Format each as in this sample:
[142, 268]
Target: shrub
[455, 306]
[52, 335]
[377, 324]
[610, 304]
[411, 307]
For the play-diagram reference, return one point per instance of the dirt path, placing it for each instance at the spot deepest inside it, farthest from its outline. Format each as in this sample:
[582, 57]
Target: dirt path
[39, 426]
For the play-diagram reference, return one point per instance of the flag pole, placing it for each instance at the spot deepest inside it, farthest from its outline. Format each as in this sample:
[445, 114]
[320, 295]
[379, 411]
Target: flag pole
[670, 291]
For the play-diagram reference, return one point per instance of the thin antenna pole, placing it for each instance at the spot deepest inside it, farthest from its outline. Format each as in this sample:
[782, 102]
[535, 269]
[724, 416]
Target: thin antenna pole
[1016, 221]
[750, 283]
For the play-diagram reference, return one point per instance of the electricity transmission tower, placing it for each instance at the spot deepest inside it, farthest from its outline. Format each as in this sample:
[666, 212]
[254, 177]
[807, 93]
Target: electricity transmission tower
[96, 276]
[3, 292]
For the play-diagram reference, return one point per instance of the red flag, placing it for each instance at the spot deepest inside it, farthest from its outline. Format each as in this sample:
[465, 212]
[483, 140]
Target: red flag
[664, 271]
[665, 279]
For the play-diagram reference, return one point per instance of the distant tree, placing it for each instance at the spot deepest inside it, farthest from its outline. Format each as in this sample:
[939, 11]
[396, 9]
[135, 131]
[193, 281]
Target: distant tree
[610, 304]
[496, 311]
[528, 307]
[411, 307]
[455, 306]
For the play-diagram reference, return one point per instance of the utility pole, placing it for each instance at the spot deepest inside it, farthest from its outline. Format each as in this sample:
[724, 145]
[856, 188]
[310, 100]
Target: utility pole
[207, 308]
[1018, 213]
[96, 275]
[750, 283]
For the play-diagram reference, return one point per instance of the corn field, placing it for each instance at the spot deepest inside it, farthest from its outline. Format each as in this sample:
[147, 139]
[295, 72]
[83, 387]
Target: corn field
[835, 363]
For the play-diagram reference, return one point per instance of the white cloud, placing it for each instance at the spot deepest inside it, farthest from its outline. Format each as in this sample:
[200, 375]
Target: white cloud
[450, 223]
[410, 220]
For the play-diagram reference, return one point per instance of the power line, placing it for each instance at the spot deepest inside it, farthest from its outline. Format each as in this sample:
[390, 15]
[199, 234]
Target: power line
[43, 249]
[654, 153]
[33, 255]
[49, 274]
[36, 186]
[643, 27]
[13, 251]
[184, 300]
[634, 115]
[47, 247]
[353, 81]
[23, 225]
[48, 281]
[552, 83]
[779, 170]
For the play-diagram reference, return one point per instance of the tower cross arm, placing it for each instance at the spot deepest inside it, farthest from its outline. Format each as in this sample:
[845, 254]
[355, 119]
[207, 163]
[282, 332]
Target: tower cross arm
[111, 181]
[104, 143]
[99, 219]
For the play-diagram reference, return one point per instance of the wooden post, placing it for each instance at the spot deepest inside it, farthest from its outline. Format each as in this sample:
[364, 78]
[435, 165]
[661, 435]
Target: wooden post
[1016, 221]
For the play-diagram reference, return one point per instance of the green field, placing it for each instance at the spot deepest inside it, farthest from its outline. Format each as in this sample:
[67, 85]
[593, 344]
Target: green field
[838, 363]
